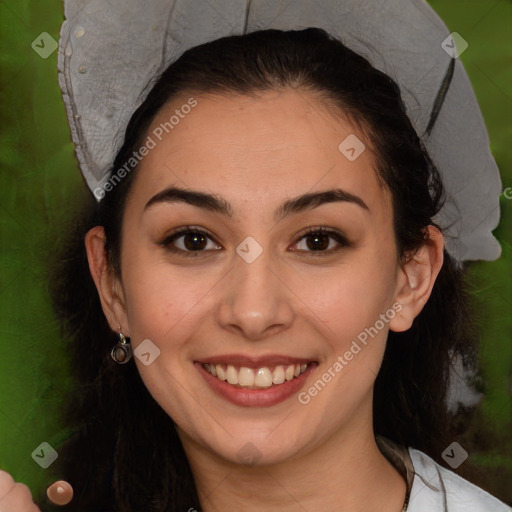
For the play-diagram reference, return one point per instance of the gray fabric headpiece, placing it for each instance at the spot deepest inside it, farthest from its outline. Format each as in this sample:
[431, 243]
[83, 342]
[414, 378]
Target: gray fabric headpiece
[110, 50]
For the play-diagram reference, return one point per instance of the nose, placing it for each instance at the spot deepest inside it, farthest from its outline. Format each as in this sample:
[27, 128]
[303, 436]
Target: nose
[256, 300]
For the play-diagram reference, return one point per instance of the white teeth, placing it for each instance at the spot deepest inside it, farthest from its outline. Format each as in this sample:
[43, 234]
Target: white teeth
[289, 373]
[246, 377]
[278, 375]
[221, 374]
[232, 375]
[264, 377]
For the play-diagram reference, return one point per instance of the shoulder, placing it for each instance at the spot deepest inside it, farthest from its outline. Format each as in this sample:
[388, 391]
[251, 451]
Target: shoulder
[438, 489]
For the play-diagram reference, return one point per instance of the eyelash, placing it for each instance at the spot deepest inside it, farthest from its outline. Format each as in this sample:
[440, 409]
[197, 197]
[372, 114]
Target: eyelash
[338, 237]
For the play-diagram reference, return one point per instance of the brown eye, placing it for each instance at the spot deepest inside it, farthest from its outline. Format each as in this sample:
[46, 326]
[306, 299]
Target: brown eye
[189, 242]
[194, 241]
[318, 241]
[321, 240]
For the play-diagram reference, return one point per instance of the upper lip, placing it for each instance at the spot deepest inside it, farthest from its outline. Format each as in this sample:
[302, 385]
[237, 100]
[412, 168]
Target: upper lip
[252, 362]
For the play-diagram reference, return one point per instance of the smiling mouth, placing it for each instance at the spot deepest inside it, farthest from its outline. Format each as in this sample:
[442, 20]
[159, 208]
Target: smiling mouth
[262, 377]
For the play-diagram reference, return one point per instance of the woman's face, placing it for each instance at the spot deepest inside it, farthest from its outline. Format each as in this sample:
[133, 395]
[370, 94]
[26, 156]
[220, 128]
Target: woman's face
[255, 292]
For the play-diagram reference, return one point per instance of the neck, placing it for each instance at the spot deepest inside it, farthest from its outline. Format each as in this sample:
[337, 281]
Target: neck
[345, 473]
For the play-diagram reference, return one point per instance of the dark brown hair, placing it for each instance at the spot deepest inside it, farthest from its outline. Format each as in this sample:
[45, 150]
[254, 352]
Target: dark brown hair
[126, 454]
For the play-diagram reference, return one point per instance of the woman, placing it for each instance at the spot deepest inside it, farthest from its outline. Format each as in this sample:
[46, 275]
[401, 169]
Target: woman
[291, 310]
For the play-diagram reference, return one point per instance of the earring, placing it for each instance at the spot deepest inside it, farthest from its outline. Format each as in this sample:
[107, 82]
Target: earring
[122, 352]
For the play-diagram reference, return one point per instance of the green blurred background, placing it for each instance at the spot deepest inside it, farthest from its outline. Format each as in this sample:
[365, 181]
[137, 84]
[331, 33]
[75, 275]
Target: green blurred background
[39, 180]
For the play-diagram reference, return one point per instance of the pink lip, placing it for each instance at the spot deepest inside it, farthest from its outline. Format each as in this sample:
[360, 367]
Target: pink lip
[255, 397]
[254, 362]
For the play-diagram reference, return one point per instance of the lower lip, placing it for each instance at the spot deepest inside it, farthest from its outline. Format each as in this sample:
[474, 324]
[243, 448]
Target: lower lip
[256, 397]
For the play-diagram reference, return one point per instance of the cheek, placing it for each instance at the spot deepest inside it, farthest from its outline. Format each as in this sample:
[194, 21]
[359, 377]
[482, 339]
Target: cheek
[168, 304]
[355, 303]
[352, 297]
[159, 304]
[156, 295]
[162, 306]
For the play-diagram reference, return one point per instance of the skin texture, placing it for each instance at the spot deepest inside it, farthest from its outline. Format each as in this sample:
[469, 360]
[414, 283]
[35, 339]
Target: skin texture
[256, 152]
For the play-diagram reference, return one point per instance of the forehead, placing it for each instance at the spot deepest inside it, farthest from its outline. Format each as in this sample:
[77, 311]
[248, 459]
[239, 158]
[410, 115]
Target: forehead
[266, 147]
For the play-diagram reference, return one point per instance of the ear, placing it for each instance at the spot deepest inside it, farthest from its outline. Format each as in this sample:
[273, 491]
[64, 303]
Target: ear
[108, 285]
[416, 280]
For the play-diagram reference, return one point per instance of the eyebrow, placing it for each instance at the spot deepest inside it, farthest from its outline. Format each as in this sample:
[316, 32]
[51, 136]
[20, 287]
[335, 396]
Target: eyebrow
[217, 204]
